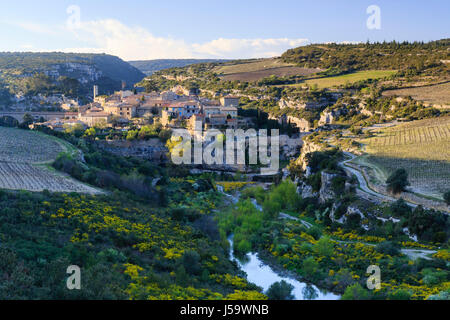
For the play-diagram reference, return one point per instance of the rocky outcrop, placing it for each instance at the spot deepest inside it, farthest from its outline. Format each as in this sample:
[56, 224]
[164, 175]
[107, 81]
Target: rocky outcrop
[330, 116]
[306, 191]
[351, 210]
[326, 192]
[302, 124]
[308, 147]
[290, 147]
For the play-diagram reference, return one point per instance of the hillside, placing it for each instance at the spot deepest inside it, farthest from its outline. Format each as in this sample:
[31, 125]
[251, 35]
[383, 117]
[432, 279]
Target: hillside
[69, 73]
[151, 66]
[416, 56]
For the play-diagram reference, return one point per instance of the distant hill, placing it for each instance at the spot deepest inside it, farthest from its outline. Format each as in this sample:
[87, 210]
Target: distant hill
[151, 66]
[69, 73]
[415, 56]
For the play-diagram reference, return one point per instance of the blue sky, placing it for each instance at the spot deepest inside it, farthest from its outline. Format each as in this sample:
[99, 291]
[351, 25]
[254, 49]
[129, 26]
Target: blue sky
[143, 29]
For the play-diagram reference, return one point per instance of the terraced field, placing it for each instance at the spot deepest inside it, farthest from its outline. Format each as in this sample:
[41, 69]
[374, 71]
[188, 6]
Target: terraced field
[23, 176]
[28, 146]
[256, 70]
[436, 94]
[24, 156]
[250, 66]
[421, 147]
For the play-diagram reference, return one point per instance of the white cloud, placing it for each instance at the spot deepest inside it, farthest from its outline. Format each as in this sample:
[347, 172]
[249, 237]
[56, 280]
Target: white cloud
[34, 27]
[136, 43]
[246, 48]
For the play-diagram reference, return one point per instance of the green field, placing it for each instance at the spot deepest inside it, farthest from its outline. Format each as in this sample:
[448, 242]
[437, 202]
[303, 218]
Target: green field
[349, 78]
[421, 147]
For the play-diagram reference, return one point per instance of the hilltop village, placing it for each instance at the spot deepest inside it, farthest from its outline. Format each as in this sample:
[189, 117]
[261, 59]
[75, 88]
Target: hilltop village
[172, 109]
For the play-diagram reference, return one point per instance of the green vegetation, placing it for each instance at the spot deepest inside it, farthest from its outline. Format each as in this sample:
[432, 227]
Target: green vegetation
[420, 147]
[410, 57]
[349, 78]
[151, 66]
[280, 291]
[447, 197]
[125, 250]
[335, 256]
[397, 181]
[50, 73]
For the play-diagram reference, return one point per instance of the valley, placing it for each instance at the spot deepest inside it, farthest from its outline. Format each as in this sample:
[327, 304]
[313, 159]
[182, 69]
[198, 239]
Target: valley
[359, 141]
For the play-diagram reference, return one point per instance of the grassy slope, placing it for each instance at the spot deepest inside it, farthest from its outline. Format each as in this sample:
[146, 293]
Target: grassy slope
[350, 78]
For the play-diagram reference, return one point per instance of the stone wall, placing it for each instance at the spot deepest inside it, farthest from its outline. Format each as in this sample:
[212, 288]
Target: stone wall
[153, 149]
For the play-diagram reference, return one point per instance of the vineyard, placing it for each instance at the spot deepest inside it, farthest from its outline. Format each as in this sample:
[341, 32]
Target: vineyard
[23, 155]
[28, 146]
[421, 147]
[23, 176]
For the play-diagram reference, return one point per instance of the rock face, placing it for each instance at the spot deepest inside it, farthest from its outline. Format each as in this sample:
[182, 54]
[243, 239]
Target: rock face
[306, 191]
[308, 147]
[290, 146]
[330, 116]
[351, 210]
[300, 105]
[153, 149]
[302, 124]
[326, 192]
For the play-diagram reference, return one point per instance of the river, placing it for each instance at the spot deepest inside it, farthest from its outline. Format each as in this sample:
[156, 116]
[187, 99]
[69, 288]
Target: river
[264, 276]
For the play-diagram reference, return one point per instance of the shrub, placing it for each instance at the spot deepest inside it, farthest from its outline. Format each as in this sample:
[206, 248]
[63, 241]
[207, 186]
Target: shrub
[447, 197]
[397, 181]
[191, 262]
[355, 292]
[280, 291]
[387, 247]
[399, 294]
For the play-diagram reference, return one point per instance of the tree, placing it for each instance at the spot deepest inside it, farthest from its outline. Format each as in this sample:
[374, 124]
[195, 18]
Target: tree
[310, 266]
[388, 247]
[27, 119]
[324, 247]
[132, 135]
[397, 181]
[77, 129]
[90, 133]
[280, 291]
[69, 86]
[150, 86]
[355, 292]
[191, 262]
[447, 197]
